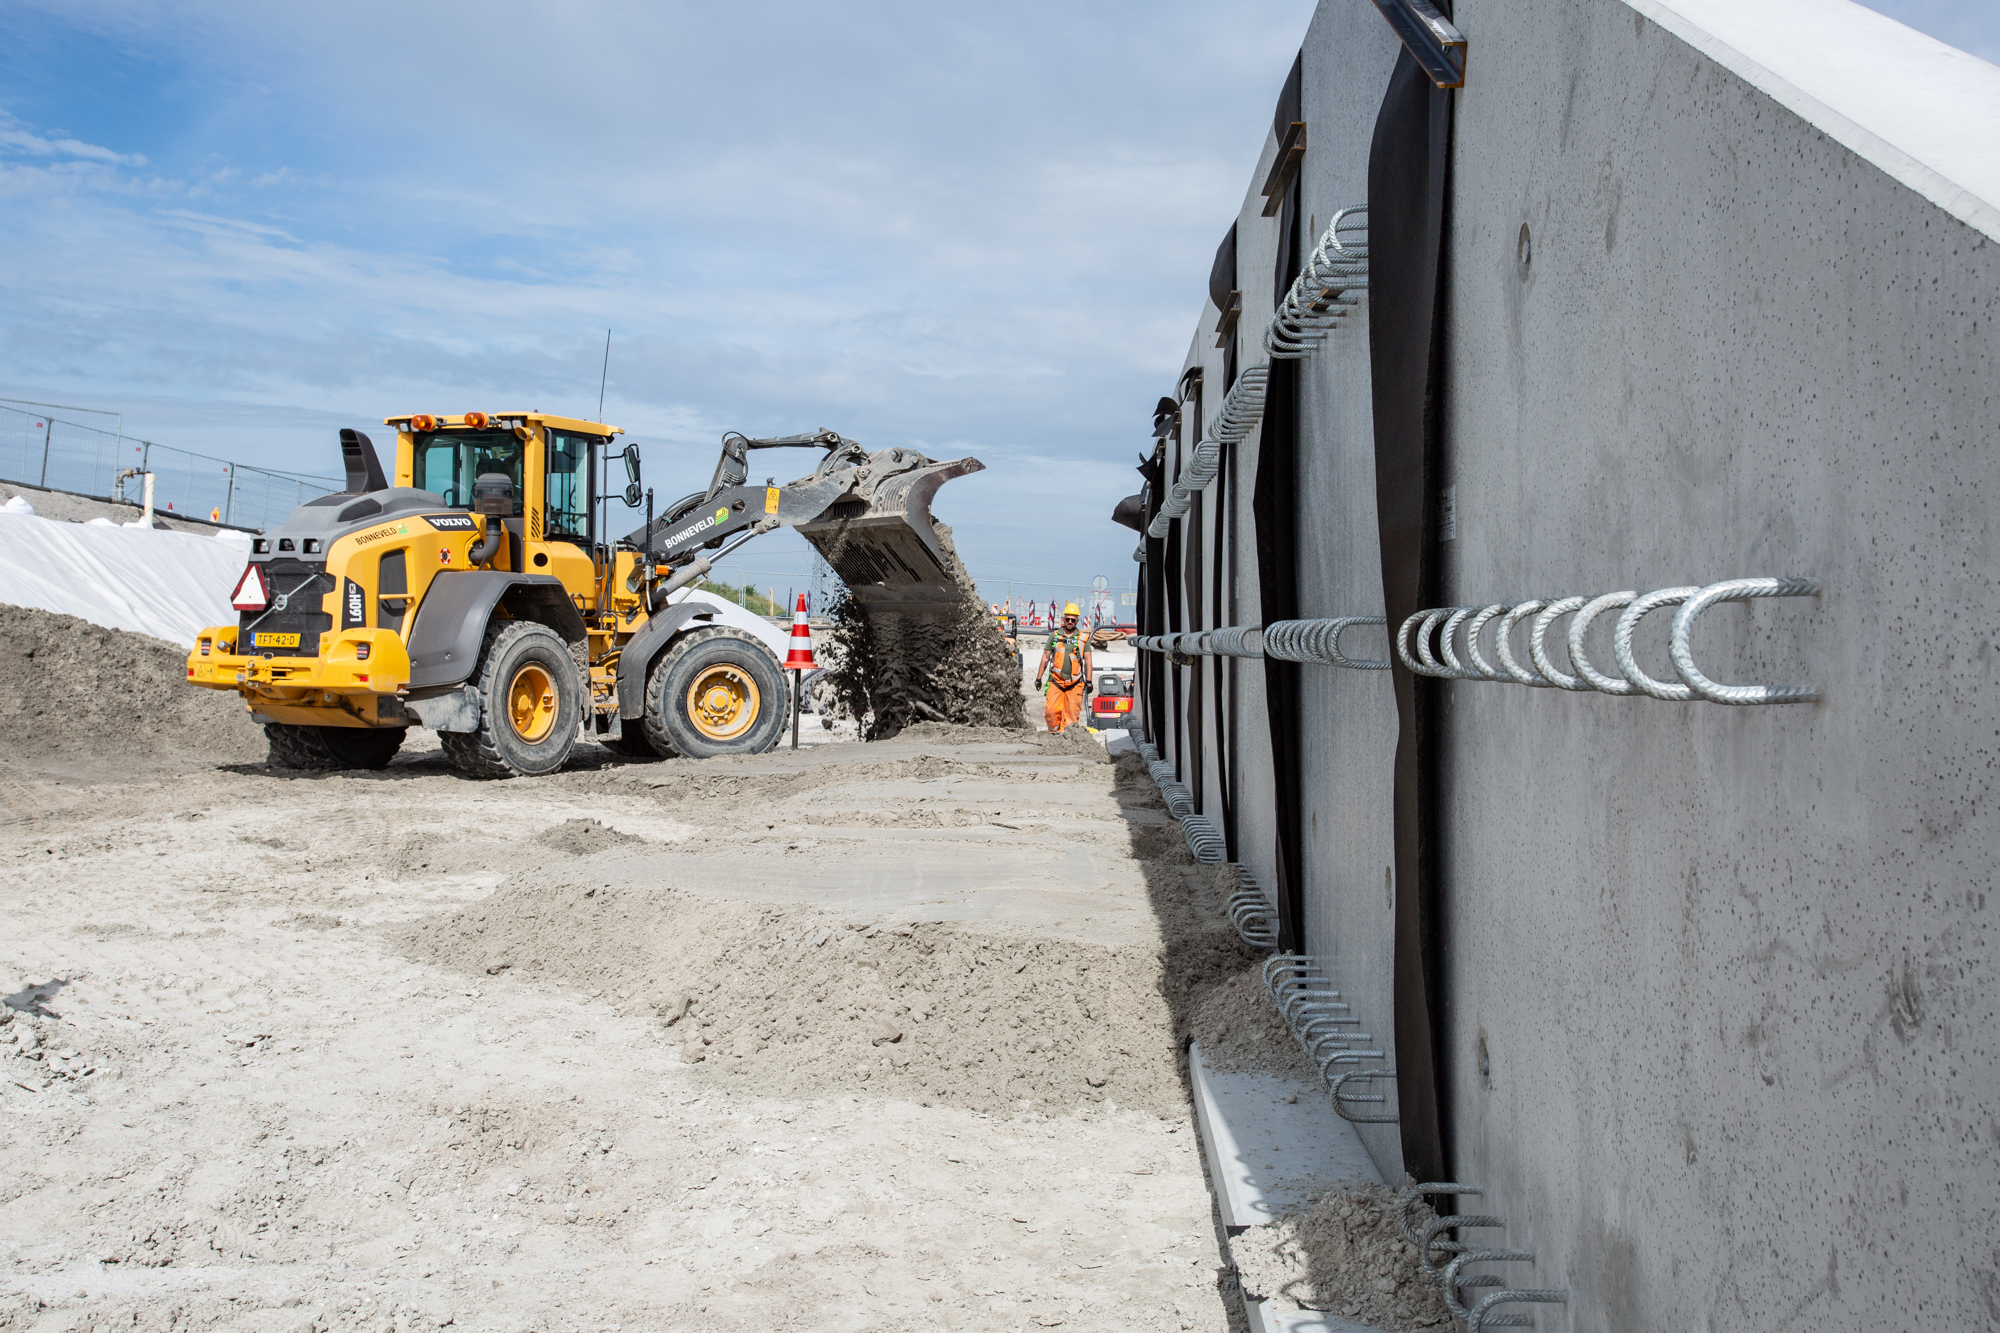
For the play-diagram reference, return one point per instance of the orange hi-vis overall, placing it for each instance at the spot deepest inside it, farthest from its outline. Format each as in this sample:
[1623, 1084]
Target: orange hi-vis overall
[1062, 703]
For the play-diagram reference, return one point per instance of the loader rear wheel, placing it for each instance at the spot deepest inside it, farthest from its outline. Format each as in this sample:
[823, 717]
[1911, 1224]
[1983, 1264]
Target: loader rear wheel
[716, 691]
[530, 702]
[325, 748]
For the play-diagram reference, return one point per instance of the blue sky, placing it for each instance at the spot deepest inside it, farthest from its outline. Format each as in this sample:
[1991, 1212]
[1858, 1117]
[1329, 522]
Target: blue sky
[967, 229]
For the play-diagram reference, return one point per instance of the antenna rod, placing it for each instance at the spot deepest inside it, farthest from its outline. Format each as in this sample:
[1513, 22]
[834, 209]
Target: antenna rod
[604, 375]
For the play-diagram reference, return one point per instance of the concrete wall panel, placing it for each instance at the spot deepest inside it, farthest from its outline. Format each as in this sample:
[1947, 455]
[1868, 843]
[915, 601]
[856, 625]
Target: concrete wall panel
[1350, 716]
[1729, 968]
[1720, 998]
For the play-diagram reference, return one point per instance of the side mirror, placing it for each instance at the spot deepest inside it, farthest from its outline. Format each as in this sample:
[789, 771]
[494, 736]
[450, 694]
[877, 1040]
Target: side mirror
[633, 492]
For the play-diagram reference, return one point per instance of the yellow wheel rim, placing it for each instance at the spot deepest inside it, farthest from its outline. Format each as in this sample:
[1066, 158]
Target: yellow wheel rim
[722, 702]
[531, 703]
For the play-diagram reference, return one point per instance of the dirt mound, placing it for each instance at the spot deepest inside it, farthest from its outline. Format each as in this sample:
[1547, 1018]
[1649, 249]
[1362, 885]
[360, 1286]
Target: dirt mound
[896, 668]
[1077, 740]
[688, 785]
[79, 697]
[585, 837]
[1346, 1254]
[957, 734]
[803, 1002]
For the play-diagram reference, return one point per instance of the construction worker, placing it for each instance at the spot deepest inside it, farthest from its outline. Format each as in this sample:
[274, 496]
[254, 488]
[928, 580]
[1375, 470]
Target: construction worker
[1065, 665]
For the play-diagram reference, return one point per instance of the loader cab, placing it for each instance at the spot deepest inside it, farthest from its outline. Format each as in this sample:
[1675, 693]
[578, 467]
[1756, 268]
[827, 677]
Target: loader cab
[553, 463]
[448, 463]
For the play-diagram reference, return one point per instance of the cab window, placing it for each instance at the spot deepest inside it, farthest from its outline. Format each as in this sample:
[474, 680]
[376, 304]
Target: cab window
[568, 494]
[447, 463]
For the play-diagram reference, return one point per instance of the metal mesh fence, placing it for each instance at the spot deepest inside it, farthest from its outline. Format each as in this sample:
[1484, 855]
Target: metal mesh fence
[44, 449]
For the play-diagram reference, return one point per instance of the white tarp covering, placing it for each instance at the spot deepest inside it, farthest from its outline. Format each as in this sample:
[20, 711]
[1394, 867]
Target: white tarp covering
[166, 584]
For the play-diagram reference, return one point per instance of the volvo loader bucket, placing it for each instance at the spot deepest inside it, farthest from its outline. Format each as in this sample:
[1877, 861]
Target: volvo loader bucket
[880, 538]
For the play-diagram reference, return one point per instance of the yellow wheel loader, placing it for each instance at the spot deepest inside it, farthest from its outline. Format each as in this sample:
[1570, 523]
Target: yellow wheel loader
[481, 595]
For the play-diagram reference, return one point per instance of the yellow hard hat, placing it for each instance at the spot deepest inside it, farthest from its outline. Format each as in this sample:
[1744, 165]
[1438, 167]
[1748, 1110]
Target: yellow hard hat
[1071, 610]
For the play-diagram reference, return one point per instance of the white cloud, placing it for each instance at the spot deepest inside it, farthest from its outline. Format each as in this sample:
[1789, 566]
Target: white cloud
[22, 141]
[910, 224]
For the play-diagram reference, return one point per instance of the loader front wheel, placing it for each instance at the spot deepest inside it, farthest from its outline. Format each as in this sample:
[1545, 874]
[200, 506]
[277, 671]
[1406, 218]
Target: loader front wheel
[716, 691]
[325, 748]
[530, 702]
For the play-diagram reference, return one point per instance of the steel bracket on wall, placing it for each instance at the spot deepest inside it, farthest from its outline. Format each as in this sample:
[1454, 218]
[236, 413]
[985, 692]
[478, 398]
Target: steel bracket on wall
[1225, 324]
[1434, 43]
[1284, 167]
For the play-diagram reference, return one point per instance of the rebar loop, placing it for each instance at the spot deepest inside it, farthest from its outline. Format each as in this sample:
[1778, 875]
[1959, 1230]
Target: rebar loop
[1455, 1280]
[1316, 641]
[1249, 908]
[1322, 1023]
[1450, 1222]
[1481, 1317]
[1240, 412]
[1324, 291]
[1341, 1097]
[1428, 643]
[1503, 646]
[1452, 1276]
[1250, 912]
[1621, 643]
[1736, 590]
[1204, 840]
[1580, 622]
[1538, 649]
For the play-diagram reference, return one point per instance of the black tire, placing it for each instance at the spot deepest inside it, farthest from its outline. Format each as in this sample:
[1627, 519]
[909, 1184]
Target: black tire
[631, 743]
[327, 748]
[725, 660]
[298, 747]
[531, 660]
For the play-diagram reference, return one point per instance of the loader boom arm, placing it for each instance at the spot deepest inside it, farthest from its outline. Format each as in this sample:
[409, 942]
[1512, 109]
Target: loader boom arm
[867, 513]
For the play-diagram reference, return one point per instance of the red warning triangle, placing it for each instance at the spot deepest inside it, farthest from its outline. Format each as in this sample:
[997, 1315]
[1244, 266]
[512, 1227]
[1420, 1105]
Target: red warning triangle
[250, 594]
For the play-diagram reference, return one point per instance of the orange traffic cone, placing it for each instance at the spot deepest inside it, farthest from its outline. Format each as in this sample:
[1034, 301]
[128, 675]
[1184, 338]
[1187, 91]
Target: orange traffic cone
[800, 658]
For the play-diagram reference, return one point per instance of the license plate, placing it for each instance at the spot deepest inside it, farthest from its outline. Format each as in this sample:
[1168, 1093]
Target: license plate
[277, 640]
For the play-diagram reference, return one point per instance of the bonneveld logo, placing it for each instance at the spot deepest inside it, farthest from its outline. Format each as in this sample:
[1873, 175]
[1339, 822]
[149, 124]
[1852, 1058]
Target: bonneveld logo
[379, 533]
[717, 517]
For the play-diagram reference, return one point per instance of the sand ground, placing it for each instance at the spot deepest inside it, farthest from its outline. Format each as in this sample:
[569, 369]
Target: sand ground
[869, 1037]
